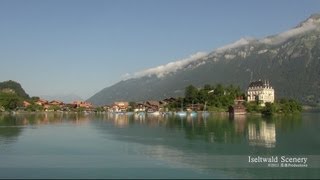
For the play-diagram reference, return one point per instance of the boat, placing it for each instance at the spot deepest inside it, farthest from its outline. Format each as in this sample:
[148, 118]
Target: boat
[181, 112]
[192, 112]
[141, 113]
[153, 112]
[129, 113]
[205, 113]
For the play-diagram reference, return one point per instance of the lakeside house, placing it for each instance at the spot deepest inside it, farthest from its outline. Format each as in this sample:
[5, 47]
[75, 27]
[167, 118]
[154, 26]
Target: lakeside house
[261, 92]
[194, 107]
[120, 106]
[170, 100]
[140, 107]
[41, 102]
[26, 104]
[56, 103]
[152, 106]
[82, 104]
[238, 108]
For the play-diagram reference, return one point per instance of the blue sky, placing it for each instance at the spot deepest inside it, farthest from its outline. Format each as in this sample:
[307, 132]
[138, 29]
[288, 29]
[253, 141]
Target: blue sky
[74, 46]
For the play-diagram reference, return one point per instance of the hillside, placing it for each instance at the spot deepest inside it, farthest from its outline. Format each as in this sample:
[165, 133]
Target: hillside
[289, 60]
[13, 87]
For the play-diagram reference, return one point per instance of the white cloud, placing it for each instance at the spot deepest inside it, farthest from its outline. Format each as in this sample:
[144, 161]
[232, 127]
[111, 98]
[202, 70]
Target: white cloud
[308, 25]
[240, 42]
[162, 70]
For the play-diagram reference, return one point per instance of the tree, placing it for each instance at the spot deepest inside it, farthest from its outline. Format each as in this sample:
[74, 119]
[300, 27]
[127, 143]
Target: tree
[269, 109]
[10, 101]
[191, 94]
[15, 87]
[131, 107]
[34, 107]
[54, 108]
[289, 106]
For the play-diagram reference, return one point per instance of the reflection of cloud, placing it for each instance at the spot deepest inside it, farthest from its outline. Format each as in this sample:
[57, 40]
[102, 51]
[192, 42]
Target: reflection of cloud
[265, 135]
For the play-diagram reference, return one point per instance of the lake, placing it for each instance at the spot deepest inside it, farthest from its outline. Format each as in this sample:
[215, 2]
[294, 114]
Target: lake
[105, 145]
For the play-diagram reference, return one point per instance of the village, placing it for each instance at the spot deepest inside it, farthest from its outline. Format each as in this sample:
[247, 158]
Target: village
[259, 94]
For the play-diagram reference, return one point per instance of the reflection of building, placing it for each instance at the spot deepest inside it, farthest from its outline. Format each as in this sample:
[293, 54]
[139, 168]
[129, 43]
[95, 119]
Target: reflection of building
[265, 135]
[121, 120]
[259, 91]
[239, 123]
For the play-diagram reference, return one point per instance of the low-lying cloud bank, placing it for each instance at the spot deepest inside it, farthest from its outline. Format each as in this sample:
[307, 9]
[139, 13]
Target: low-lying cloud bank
[163, 70]
[310, 24]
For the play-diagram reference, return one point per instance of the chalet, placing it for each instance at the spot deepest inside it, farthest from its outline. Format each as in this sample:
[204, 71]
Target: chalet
[170, 100]
[152, 106]
[140, 107]
[194, 107]
[41, 102]
[55, 103]
[82, 104]
[261, 92]
[107, 108]
[238, 107]
[120, 106]
[26, 104]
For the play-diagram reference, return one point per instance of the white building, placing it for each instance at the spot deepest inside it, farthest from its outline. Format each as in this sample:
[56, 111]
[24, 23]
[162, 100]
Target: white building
[260, 91]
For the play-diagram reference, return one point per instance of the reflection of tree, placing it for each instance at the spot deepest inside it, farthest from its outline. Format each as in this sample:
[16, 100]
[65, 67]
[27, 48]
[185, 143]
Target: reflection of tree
[9, 131]
[11, 126]
[287, 123]
[283, 123]
[211, 129]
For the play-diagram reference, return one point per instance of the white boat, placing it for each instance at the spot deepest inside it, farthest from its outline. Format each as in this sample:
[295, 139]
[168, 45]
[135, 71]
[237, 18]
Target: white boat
[129, 113]
[153, 112]
[181, 112]
[204, 112]
[193, 113]
[141, 113]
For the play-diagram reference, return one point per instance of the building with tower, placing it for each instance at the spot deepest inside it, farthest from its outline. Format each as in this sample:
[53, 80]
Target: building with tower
[260, 91]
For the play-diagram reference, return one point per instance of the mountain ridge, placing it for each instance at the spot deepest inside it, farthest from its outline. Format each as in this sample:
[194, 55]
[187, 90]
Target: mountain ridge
[279, 58]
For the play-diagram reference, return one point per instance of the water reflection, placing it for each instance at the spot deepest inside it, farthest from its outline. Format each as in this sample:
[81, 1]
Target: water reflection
[213, 128]
[262, 135]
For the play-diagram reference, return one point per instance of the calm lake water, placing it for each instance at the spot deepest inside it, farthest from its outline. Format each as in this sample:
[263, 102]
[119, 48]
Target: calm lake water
[70, 145]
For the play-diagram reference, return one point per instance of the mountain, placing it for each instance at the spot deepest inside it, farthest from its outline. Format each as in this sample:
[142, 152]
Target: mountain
[289, 60]
[13, 87]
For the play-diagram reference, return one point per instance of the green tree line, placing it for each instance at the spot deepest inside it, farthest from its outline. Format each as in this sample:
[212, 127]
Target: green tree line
[214, 96]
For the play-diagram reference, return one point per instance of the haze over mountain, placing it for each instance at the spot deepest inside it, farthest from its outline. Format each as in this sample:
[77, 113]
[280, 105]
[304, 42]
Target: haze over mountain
[289, 60]
[67, 98]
